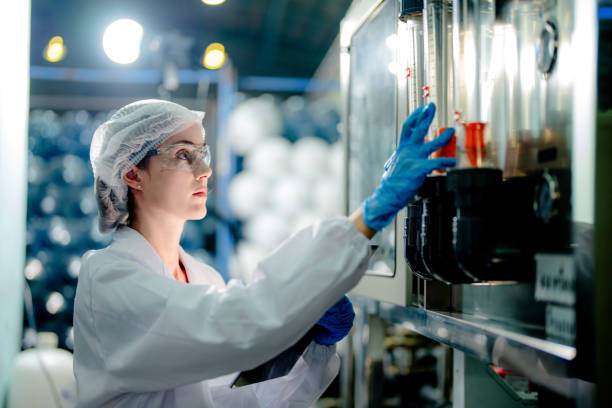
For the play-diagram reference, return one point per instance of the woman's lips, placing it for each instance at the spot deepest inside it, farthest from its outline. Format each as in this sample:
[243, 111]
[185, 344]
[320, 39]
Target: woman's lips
[200, 194]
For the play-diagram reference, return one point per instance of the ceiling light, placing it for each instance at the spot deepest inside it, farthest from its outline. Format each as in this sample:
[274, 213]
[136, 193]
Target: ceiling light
[55, 50]
[214, 56]
[121, 41]
[213, 2]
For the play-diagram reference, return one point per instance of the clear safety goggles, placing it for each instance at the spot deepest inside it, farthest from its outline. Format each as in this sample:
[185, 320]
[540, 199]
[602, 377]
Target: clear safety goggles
[183, 156]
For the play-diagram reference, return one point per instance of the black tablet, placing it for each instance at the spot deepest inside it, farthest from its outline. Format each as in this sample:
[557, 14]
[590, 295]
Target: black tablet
[279, 366]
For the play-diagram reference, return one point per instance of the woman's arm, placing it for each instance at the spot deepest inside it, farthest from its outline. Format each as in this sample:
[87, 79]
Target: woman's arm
[155, 333]
[357, 218]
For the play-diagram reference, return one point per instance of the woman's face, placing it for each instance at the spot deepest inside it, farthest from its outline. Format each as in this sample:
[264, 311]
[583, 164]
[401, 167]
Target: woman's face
[170, 184]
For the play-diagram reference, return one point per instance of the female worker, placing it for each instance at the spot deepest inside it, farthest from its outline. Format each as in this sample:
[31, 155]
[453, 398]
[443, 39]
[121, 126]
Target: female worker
[153, 327]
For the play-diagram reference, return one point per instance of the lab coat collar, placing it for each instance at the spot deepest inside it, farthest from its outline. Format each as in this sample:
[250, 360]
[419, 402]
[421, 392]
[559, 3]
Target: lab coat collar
[129, 243]
[133, 245]
[190, 264]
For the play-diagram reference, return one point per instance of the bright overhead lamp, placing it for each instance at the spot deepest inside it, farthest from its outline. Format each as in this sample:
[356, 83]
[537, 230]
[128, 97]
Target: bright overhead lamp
[213, 2]
[214, 56]
[121, 41]
[55, 50]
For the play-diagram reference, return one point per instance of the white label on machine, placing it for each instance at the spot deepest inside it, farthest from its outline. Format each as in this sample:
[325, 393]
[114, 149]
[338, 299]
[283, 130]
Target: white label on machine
[561, 322]
[555, 279]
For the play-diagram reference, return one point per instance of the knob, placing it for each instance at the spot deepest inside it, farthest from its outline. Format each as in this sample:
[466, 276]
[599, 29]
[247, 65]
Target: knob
[548, 197]
[547, 46]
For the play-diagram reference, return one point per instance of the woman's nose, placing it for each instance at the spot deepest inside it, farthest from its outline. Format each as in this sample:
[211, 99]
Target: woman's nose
[202, 171]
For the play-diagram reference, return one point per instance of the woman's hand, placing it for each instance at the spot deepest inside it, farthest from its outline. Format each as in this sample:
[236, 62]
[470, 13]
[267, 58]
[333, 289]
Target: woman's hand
[336, 323]
[405, 170]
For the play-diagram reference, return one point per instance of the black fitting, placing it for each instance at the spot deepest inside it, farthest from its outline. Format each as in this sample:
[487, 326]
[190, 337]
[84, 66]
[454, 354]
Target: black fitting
[473, 178]
[437, 234]
[475, 189]
[410, 7]
[433, 186]
[553, 209]
[412, 240]
[494, 227]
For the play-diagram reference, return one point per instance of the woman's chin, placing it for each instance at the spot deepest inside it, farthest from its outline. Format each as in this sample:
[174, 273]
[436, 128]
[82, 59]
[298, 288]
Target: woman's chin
[198, 214]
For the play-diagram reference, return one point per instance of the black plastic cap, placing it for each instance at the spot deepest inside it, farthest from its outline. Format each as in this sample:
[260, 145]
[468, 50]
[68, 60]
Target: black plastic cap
[433, 186]
[499, 7]
[409, 7]
[472, 178]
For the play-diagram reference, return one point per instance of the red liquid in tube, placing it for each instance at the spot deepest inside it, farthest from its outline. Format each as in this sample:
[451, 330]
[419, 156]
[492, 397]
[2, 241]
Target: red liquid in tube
[474, 142]
[450, 150]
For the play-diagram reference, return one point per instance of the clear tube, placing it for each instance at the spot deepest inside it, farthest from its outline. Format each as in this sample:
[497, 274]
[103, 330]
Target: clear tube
[414, 61]
[438, 62]
[473, 28]
[523, 88]
[438, 87]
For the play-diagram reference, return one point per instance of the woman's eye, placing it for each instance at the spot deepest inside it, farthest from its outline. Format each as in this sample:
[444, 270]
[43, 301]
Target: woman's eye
[182, 154]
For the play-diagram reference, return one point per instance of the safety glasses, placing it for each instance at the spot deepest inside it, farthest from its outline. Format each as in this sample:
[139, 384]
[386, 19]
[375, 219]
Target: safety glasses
[182, 156]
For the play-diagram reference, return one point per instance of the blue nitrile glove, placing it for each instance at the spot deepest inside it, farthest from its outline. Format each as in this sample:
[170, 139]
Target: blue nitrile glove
[406, 169]
[335, 323]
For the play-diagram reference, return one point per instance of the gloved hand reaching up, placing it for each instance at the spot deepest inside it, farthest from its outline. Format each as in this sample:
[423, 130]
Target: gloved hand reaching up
[335, 323]
[406, 169]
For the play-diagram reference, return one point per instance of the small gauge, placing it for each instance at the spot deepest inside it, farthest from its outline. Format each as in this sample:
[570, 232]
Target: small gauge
[548, 197]
[547, 47]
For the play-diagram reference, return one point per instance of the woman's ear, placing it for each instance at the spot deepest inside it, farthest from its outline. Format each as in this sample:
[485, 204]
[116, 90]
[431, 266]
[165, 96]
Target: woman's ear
[133, 179]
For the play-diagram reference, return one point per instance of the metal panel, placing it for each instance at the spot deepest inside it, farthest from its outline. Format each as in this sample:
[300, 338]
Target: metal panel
[14, 25]
[603, 204]
[543, 118]
[373, 108]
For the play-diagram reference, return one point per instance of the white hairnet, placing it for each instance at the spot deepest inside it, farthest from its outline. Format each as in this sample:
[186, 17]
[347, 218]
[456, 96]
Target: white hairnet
[122, 142]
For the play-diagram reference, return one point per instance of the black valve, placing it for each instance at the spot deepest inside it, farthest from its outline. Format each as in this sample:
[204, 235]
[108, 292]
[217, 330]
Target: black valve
[410, 7]
[495, 230]
[437, 234]
[412, 239]
[552, 207]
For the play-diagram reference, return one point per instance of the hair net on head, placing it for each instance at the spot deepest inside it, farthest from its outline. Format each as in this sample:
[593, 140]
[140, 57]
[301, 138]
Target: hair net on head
[122, 142]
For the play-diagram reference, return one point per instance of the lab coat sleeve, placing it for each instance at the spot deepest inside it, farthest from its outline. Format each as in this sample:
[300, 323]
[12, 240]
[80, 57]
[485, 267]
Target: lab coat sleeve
[301, 387]
[155, 333]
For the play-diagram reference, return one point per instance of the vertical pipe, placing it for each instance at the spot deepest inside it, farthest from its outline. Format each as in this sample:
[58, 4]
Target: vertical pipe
[14, 99]
[415, 67]
[437, 44]
[583, 121]
[602, 167]
[359, 344]
[225, 168]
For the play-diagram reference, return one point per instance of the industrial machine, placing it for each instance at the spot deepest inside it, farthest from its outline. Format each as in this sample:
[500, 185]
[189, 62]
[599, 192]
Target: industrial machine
[498, 250]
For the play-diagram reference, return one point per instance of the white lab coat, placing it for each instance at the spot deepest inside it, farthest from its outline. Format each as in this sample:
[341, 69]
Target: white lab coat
[143, 339]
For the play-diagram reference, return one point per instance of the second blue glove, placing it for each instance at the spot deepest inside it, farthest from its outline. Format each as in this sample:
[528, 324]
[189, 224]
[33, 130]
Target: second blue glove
[336, 323]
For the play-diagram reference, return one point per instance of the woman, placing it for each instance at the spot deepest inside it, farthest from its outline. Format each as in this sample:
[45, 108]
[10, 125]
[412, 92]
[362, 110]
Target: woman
[156, 328]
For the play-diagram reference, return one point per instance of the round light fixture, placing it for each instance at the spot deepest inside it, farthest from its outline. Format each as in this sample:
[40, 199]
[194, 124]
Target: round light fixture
[214, 56]
[55, 50]
[121, 41]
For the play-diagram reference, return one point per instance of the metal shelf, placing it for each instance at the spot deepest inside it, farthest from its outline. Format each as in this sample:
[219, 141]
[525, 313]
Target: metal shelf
[480, 337]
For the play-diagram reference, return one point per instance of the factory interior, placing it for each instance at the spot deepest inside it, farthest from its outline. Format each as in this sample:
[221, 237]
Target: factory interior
[485, 275]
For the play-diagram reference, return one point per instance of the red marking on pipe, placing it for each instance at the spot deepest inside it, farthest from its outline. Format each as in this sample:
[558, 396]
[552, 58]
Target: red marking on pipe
[426, 92]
